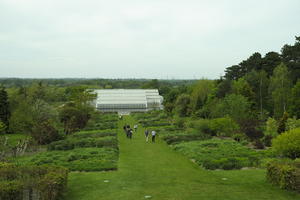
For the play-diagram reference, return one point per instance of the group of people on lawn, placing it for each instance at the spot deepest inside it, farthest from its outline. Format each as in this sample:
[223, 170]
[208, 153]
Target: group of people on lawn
[129, 132]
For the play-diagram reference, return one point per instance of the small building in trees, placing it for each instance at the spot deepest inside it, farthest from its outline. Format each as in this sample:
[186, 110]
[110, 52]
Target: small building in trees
[125, 101]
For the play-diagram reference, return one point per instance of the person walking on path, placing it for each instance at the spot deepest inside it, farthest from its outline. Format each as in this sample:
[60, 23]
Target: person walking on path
[153, 133]
[147, 135]
[135, 127]
[130, 133]
[127, 130]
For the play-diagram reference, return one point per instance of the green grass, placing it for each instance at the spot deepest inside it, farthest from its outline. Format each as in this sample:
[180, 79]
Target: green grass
[158, 171]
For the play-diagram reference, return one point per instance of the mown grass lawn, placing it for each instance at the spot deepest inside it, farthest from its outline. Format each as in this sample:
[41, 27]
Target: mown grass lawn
[155, 170]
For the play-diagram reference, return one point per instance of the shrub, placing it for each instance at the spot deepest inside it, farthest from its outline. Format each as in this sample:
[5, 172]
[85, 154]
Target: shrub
[72, 143]
[78, 159]
[288, 144]
[285, 174]
[224, 126]
[271, 127]
[203, 125]
[45, 133]
[184, 137]
[11, 190]
[220, 126]
[292, 123]
[48, 182]
[221, 154]
[52, 185]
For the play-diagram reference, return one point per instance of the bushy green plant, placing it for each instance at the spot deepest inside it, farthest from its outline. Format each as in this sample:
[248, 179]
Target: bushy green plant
[3, 127]
[94, 133]
[72, 143]
[184, 137]
[11, 190]
[49, 182]
[203, 125]
[271, 127]
[221, 154]
[292, 123]
[285, 174]
[288, 144]
[78, 159]
[224, 126]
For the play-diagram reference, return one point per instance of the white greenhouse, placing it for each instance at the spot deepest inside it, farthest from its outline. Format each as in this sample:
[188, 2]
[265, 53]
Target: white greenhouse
[125, 101]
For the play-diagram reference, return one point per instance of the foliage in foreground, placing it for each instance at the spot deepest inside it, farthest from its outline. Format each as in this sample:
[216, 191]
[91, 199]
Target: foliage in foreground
[221, 154]
[23, 182]
[83, 151]
[79, 159]
[72, 143]
[285, 174]
[288, 144]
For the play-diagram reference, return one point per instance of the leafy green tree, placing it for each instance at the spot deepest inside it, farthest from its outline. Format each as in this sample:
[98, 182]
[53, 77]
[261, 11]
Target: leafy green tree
[271, 127]
[74, 118]
[45, 119]
[292, 123]
[280, 86]
[295, 100]
[153, 84]
[45, 132]
[259, 82]
[242, 87]
[76, 113]
[282, 123]
[234, 105]
[21, 120]
[4, 107]
[183, 105]
[200, 93]
[223, 88]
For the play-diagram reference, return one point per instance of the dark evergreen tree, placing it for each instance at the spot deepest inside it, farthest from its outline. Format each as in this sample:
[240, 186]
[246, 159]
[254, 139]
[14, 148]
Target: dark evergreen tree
[4, 107]
[291, 57]
[270, 61]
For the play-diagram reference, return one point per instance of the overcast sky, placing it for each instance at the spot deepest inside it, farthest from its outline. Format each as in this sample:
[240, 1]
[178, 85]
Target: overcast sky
[139, 38]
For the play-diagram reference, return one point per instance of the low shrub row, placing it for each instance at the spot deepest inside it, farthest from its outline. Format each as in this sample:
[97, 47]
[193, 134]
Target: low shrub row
[102, 126]
[25, 182]
[285, 174]
[94, 133]
[222, 154]
[216, 127]
[100, 121]
[176, 138]
[78, 159]
[73, 142]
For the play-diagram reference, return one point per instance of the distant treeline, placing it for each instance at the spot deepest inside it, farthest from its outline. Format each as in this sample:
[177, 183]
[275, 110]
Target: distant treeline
[97, 82]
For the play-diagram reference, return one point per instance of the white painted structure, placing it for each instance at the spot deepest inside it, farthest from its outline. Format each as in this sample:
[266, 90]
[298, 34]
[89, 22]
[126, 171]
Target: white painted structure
[125, 101]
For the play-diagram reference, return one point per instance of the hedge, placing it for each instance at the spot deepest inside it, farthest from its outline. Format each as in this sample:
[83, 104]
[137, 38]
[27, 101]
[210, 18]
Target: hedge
[32, 182]
[177, 138]
[72, 143]
[285, 174]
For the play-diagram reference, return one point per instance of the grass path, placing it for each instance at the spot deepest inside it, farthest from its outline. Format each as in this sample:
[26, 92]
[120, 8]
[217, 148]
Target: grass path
[158, 171]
